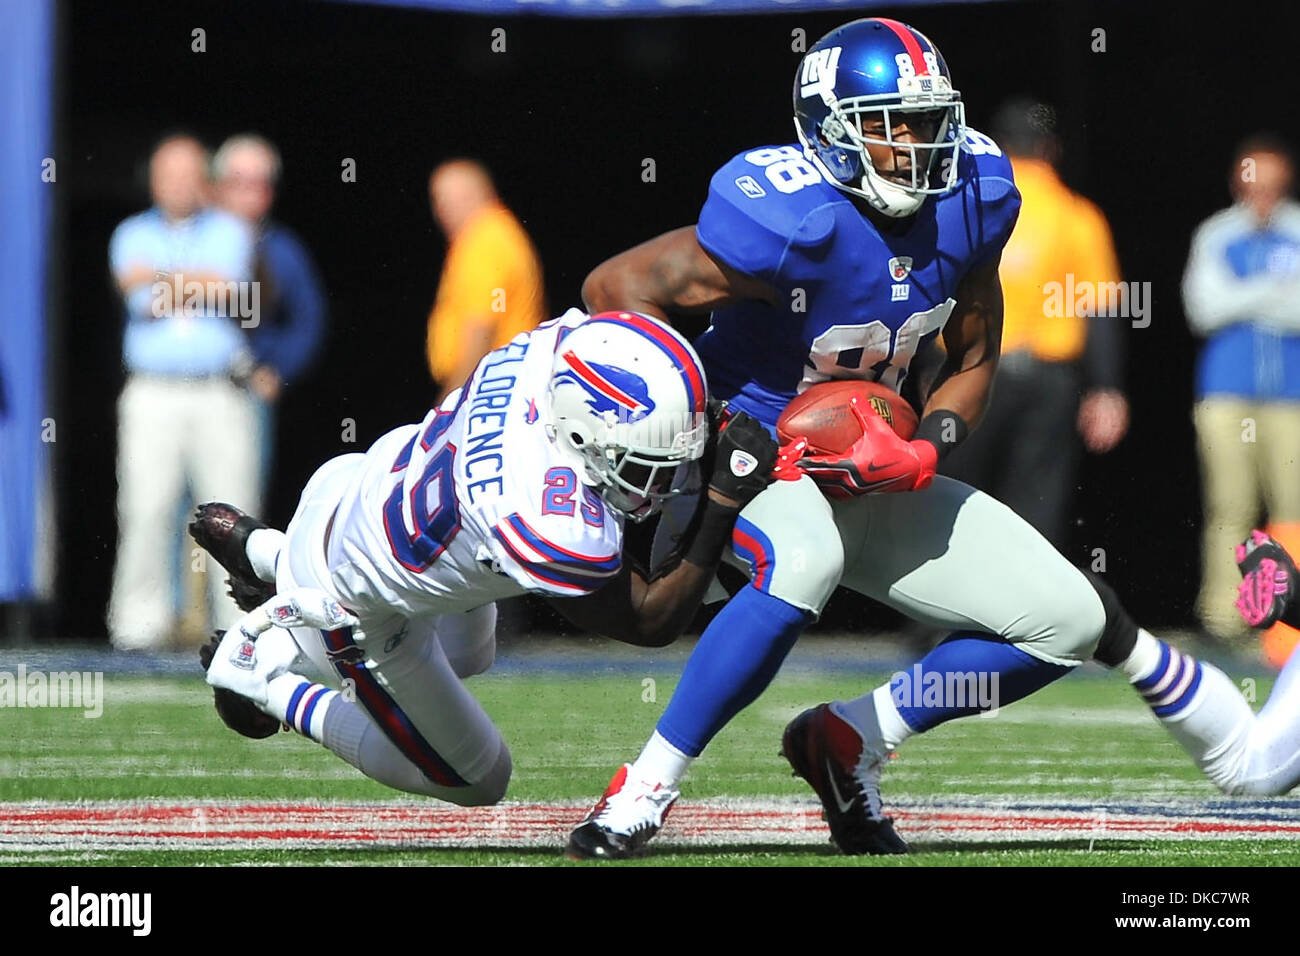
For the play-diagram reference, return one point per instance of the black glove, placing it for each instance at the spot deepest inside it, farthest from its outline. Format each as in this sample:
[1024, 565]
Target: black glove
[743, 457]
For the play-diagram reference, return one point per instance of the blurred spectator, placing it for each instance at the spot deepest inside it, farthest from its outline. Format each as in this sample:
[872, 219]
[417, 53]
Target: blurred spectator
[1242, 293]
[185, 274]
[287, 337]
[491, 285]
[1024, 452]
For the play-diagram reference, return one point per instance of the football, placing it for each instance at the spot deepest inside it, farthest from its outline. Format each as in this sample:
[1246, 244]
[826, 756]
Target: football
[823, 416]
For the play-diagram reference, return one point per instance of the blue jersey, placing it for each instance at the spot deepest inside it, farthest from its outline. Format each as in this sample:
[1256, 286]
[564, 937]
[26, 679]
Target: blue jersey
[855, 302]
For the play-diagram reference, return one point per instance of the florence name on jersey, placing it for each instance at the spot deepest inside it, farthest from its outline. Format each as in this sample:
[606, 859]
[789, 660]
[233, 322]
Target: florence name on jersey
[476, 502]
[857, 302]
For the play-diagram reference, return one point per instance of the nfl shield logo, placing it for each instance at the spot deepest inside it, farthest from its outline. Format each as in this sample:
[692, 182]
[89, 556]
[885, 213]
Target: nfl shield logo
[742, 463]
[286, 613]
[900, 267]
[245, 655]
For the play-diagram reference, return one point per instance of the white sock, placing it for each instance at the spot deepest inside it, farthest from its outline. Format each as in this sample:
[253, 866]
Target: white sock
[1198, 704]
[300, 703]
[263, 550]
[660, 762]
[1144, 656]
[345, 732]
[876, 717]
[353, 736]
[1272, 765]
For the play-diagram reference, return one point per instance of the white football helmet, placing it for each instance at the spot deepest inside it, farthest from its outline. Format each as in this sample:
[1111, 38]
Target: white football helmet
[627, 404]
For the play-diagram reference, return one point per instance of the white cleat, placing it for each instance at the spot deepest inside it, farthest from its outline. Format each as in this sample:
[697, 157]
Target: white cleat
[623, 820]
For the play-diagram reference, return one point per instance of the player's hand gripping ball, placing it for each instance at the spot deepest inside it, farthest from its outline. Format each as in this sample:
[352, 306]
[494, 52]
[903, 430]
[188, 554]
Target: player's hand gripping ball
[859, 439]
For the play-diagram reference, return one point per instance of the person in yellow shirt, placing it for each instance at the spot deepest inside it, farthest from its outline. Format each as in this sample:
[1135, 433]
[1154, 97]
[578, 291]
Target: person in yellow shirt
[491, 286]
[1060, 371]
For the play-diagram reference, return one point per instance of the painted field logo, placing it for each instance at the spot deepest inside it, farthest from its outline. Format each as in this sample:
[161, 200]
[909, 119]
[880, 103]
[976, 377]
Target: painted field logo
[75, 909]
[79, 690]
[977, 690]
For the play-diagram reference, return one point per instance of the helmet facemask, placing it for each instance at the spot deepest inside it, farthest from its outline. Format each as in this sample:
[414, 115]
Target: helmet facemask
[638, 485]
[627, 403]
[841, 150]
[635, 479]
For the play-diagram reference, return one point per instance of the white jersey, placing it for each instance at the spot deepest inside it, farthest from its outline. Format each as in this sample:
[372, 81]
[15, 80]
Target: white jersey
[476, 502]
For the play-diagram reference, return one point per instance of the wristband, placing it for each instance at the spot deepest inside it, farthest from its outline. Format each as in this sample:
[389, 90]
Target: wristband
[712, 534]
[944, 430]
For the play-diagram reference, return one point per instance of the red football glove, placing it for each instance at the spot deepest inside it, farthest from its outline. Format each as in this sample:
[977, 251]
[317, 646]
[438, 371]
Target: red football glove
[788, 460]
[878, 461]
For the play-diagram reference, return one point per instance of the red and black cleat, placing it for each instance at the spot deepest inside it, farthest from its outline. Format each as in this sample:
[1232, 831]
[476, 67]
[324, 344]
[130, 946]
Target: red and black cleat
[222, 530]
[623, 820]
[829, 754]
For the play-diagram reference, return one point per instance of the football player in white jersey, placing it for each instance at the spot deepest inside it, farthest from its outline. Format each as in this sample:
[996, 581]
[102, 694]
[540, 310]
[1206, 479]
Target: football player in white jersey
[384, 581]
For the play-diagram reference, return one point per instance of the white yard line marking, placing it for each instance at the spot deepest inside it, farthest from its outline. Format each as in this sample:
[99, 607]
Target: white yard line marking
[90, 827]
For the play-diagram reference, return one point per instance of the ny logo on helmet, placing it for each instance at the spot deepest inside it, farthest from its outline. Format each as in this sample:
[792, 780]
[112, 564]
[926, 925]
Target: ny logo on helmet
[610, 389]
[818, 77]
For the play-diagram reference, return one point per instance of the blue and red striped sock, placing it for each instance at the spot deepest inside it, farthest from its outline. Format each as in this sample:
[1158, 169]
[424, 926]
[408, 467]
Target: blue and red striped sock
[300, 703]
[1170, 684]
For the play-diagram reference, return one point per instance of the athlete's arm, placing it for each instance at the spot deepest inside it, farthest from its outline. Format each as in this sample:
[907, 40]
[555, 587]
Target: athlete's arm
[881, 461]
[973, 339]
[650, 612]
[670, 273]
[653, 611]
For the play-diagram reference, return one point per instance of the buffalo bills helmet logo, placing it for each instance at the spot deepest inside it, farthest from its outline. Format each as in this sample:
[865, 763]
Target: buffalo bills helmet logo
[610, 389]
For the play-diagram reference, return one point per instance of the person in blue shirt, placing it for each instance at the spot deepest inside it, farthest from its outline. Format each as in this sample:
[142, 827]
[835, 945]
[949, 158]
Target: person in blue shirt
[185, 274]
[286, 340]
[1241, 292]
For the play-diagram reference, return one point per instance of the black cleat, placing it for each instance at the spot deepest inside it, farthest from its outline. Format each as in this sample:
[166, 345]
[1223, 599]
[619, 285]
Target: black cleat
[589, 842]
[222, 530]
[829, 754]
[238, 713]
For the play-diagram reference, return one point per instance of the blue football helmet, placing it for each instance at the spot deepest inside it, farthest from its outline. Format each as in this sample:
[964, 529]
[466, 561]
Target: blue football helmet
[879, 68]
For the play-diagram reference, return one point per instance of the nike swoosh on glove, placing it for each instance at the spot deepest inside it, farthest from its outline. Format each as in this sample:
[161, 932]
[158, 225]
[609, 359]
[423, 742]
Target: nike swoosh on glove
[1267, 592]
[878, 461]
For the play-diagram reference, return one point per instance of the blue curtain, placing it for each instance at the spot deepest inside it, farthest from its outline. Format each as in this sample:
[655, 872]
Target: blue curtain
[651, 8]
[26, 199]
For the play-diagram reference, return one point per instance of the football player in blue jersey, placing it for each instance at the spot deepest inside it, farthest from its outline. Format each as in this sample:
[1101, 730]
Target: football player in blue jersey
[842, 257]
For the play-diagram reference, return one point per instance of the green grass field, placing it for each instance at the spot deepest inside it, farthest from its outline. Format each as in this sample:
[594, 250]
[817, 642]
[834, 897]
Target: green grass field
[1086, 741]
